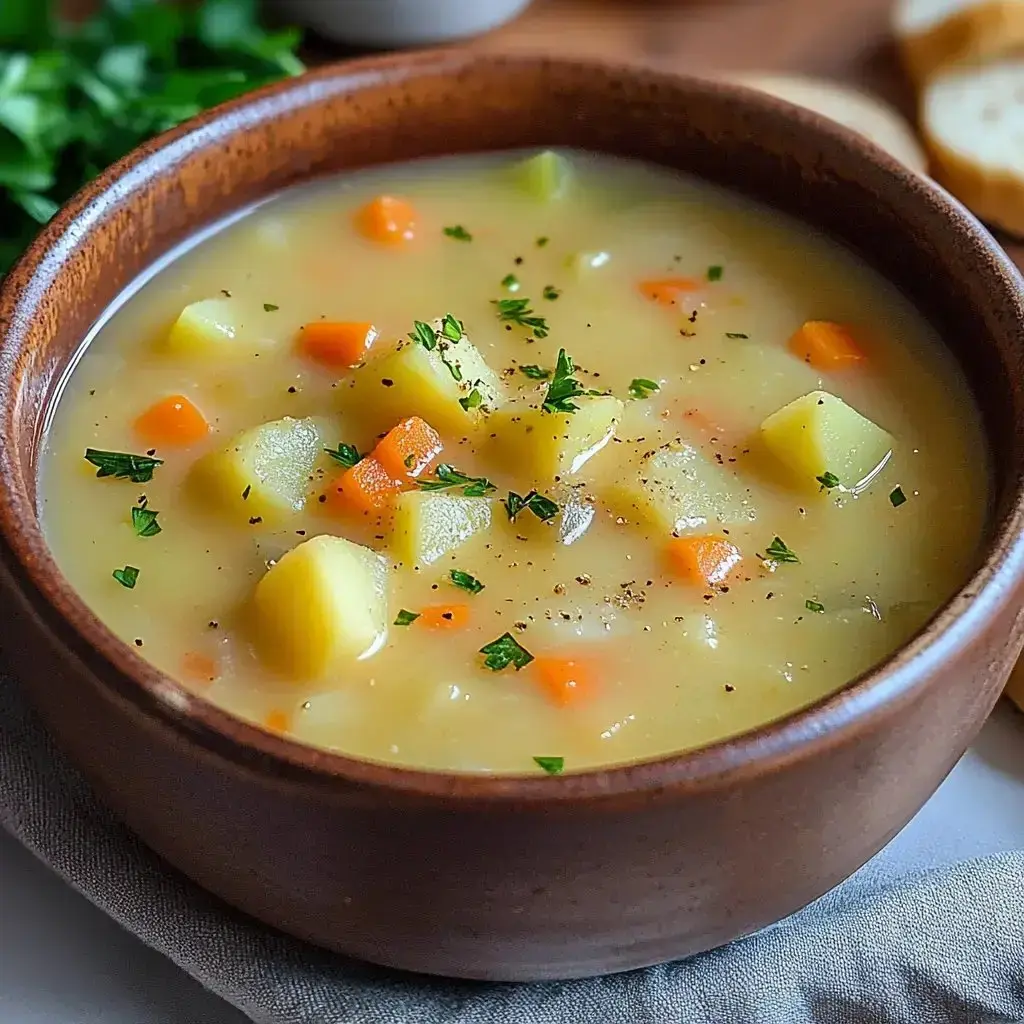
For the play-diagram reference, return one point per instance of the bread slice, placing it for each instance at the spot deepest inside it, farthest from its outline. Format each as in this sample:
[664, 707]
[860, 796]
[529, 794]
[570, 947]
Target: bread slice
[872, 118]
[973, 124]
[934, 34]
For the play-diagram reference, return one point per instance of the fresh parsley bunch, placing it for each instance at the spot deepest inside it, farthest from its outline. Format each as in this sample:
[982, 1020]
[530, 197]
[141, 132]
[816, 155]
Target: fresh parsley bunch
[76, 97]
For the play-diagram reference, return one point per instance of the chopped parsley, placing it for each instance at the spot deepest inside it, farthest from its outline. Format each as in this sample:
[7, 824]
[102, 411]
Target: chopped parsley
[345, 454]
[121, 465]
[827, 480]
[564, 387]
[511, 282]
[269, 307]
[715, 273]
[543, 508]
[144, 521]
[127, 577]
[551, 292]
[550, 765]
[735, 334]
[897, 497]
[505, 651]
[472, 401]
[535, 372]
[451, 328]
[459, 233]
[446, 476]
[640, 387]
[814, 606]
[465, 582]
[542, 241]
[423, 334]
[406, 618]
[517, 311]
[778, 552]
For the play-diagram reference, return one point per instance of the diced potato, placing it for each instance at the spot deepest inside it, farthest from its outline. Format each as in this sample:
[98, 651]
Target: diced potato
[539, 445]
[545, 176]
[218, 328]
[677, 489]
[324, 603]
[427, 524]
[820, 433]
[421, 383]
[263, 472]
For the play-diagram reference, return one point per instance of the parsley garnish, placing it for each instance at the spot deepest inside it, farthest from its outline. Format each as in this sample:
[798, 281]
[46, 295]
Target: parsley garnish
[814, 606]
[551, 765]
[827, 480]
[459, 233]
[144, 521]
[423, 334]
[542, 241]
[543, 508]
[551, 292]
[735, 334]
[451, 328]
[714, 273]
[472, 400]
[517, 311]
[269, 307]
[505, 651]
[778, 552]
[405, 618]
[137, 468]
[535, 372]
[511, 282]
[640, 387]
[346, 454]
[127, 576]
[564, 387]
[897, 497]
[465, 582]
[446, 476]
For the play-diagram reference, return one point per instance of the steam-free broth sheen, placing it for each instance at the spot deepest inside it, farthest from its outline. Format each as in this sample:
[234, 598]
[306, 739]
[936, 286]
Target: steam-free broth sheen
[620, 464]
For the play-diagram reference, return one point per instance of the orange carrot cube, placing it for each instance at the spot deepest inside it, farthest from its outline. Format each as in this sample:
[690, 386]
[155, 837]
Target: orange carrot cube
[706, 559]
[336, 344]
[826, 346]
[173, 421]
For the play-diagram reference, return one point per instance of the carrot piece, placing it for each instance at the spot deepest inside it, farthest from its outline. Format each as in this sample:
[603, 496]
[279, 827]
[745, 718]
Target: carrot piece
[704, 559]
[368, 487]
[409, 448]
[826, 346]
[173, 420]
[336, 344]
[701, 421]
[278, 720]
[564, 680]
[198, 667]
[668, 291]
[387, 219]
[445, 616]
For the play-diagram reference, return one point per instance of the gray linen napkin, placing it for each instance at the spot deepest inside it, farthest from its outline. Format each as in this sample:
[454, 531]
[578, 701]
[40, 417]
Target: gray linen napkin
[939, 947]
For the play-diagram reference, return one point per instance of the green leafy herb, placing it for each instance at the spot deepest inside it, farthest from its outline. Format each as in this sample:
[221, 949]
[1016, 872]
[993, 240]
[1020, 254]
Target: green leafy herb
[814, 606]
[551, 292]
[144, 521]
[75, 97]
[542, 241]
[121, 465]
[505, 651]
[465, 582]
[564, 387]
[446, 476]
[511, 282]
[827, 480]
[345, 454]
[127, 577]
[459, 233]
[451, 328]
[543, 508]
[405, 618]
[897, 497]
[778, 552]
[472, 401]
[551, 765]
[269, 307]
[423, 334]
[535, 372]
[640, 387]
[735, 334]
[517, 311]
[715, 273]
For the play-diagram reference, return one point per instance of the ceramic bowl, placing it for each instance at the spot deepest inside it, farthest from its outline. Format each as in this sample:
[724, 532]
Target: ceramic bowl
[500, 877]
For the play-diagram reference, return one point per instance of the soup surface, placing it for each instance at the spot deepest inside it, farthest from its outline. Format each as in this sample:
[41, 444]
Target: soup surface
[619, 464]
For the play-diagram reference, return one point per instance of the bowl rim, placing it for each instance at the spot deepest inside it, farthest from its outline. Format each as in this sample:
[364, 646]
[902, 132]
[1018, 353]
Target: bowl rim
[839, 717]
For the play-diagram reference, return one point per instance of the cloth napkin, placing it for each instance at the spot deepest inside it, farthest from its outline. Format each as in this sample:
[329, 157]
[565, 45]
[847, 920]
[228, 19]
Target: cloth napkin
[938, 947]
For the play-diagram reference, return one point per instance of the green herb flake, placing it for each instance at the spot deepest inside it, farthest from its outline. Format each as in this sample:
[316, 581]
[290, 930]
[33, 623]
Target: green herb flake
[423, 334]
[814, 606]
[472, 401]
[269, 307]
[550, 765]
[827, 480]
[144, 521]
[551, 292]
[897, 497]
[640, 387]
[406, 618]
[517, 311]
[715, 273]
[535, 372]
[778, 552]
[346, 455]
[464, 581]
[451, 328]
[121, 465]
[736, 334]
[505, 651]
[510, 282]
[446, 476]
[127, 577]
[459, 233]
[542, 241]
[564, 387]
[543, 508]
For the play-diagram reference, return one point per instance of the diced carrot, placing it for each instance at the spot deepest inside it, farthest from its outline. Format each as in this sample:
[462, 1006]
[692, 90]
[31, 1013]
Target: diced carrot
[387, 219]
[564, 680]
[368, 487]
[826, 346]
[409, 448]
[444, 616]
[199, 668]
[669, 291]
[336, 344]
[705, 559]
[278, 720]
[173, 420]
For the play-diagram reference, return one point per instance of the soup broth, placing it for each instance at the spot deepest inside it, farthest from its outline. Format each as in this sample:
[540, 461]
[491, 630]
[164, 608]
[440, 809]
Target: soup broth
[553, 462]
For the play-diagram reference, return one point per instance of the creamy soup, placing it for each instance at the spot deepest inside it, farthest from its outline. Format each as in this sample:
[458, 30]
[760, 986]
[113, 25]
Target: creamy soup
[527, 463]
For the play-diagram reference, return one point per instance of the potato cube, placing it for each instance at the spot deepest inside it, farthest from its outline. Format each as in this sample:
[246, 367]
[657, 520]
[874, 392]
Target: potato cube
[427, 525]
[677, 489]
[264, 472]
[539, 445]
[819, 433]
[545, 176]
[215, 328]
[323, 604]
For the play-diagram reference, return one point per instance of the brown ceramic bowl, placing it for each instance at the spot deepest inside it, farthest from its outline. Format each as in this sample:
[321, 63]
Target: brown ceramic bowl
[511, 878]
